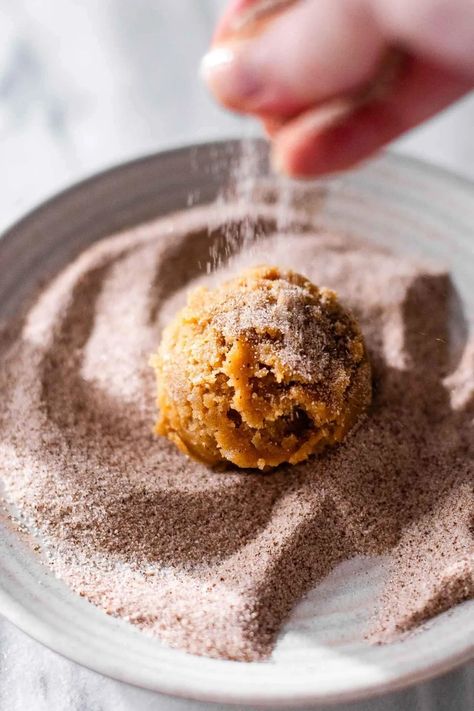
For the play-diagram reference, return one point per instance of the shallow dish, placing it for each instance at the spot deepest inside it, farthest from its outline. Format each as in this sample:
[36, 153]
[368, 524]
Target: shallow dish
[320, 656]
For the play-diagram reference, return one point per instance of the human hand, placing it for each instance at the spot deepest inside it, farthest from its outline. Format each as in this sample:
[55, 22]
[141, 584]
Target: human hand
[335, 80]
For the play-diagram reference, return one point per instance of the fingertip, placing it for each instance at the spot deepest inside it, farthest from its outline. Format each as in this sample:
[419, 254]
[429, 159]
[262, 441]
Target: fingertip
[310, 145]
[333, 138]
[240, 71]
[230, 79]
[303, 164]
[331, 150]
[215, 59]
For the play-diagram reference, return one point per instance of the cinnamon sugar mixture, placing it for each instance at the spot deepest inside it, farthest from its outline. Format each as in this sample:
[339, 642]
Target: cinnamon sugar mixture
[212, 562]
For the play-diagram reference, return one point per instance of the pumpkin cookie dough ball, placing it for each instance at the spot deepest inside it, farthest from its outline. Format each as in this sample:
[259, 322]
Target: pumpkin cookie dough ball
[266, 368]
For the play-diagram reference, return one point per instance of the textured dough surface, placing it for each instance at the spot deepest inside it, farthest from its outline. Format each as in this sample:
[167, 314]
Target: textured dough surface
[264, 369]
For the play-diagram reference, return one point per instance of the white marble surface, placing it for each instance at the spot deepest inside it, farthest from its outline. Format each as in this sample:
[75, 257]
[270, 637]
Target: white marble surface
[90, 83]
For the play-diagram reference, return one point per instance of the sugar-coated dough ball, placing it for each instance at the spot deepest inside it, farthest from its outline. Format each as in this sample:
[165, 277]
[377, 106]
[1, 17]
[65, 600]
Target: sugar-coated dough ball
[266, 368]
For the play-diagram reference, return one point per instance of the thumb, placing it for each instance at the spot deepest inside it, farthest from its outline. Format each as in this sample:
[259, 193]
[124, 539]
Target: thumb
[306, 53]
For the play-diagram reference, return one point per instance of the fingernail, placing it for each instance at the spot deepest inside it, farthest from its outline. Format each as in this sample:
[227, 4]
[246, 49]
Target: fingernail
[230, 77]
[215, 59]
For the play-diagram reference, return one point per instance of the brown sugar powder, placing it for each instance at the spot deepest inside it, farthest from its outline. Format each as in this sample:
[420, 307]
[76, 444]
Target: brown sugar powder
[212, 562]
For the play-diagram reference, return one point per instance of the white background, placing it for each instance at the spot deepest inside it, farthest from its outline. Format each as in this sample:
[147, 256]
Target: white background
[85, 84]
